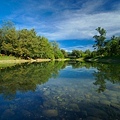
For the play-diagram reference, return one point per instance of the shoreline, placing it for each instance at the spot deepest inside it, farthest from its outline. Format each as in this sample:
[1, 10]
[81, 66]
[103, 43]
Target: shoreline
[23, 61]
[29, 61]
[103, 60]
[13, 61]
[97, 60]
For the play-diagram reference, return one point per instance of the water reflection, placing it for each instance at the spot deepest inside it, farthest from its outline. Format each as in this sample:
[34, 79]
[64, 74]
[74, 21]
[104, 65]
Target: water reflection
[106, 72]
[60, 91]
[26, 77]
[103, 73]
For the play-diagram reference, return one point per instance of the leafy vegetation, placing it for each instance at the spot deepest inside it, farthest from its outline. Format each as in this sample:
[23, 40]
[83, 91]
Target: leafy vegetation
[26, 43]
[106, 47]
[7, 57]
[102, 47]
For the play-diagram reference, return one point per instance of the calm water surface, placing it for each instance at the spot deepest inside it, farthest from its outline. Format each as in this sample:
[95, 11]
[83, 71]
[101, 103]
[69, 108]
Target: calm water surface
[60, 91]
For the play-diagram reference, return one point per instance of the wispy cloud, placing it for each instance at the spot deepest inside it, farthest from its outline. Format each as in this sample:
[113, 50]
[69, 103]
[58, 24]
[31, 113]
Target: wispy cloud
[84, 27]
[62, 19]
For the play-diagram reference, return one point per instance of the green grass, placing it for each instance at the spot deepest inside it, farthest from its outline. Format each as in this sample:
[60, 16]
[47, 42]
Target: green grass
[7, 57]
[5, 61]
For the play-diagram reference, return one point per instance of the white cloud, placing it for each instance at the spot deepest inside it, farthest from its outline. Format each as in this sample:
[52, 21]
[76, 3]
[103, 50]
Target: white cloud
[68, 21]
[91, 6]
[84, 26]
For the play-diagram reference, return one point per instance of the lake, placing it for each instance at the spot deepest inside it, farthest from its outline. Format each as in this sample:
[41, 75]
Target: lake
[60, 91]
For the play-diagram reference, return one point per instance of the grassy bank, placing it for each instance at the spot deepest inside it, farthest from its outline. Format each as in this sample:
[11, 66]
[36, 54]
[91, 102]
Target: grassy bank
[11, 59]
[8, 61]
[106, 59]
[7, 57]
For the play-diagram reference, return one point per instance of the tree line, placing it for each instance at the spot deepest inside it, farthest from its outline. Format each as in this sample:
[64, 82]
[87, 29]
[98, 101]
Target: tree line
[26, 43]
[104, 46]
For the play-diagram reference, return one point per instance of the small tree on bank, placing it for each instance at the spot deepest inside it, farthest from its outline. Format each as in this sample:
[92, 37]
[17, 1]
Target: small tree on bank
[100, 40]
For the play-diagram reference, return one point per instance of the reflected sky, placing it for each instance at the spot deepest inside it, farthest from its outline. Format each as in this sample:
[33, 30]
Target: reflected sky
[69, 93]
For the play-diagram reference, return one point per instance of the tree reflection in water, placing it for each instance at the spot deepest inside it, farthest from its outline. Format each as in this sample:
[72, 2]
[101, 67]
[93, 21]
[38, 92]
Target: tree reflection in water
[106, 72]
[103, 73]
[26, 77]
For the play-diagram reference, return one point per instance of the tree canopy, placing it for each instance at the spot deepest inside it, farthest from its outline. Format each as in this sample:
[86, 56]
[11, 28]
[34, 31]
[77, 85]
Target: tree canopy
[106, 47]
[26, 43]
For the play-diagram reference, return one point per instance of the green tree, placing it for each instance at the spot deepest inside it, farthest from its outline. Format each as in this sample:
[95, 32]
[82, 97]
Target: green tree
[33, 46]
[64, 53]
[26, 43]
[57, 52]
[45, 48]
[93, 54]
[77, 53]
[6, 27]
[10, 42]
[88, 52]
[100, 40]
[113, 46]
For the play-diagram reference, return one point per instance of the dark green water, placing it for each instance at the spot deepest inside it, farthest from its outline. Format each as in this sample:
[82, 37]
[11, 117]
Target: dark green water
[60, 91]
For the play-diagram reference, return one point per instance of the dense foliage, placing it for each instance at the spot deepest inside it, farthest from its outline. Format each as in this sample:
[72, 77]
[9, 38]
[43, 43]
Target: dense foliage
[106, 47]
[102, 47]
[26, 43]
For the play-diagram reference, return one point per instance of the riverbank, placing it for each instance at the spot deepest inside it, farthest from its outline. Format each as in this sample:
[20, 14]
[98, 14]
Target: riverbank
[14, 60]
[8, 61]
[114, 59]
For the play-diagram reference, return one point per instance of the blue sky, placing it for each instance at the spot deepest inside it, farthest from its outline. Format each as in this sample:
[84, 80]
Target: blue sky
[72, 23]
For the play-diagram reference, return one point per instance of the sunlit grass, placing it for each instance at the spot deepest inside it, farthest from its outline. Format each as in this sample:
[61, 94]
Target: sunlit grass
[7, 57]
[8, 61]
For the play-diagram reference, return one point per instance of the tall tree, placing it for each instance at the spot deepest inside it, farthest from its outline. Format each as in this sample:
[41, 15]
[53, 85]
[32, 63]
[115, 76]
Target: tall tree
[26, 43]
[88, 52]
[113, 46]
[4, 29]
[45, 48]
[64, 53]
[57, 52]
[77, 53]
[99, 40]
